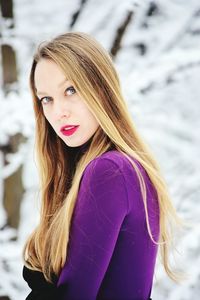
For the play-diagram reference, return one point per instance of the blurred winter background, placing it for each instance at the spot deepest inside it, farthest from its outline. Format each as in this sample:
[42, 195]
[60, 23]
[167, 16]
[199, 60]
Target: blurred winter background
[156, 49]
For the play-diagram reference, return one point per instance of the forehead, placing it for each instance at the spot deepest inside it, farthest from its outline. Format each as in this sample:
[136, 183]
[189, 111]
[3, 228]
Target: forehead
[48, 74]
[47, 68]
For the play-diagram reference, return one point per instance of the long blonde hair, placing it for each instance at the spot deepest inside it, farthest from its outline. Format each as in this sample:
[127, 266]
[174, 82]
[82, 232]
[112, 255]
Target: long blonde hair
[90, 68]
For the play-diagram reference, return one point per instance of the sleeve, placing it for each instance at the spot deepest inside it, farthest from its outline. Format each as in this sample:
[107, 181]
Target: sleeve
[100, 209]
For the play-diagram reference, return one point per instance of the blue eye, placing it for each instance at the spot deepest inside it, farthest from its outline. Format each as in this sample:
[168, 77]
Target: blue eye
[45, 100]
[70, 90]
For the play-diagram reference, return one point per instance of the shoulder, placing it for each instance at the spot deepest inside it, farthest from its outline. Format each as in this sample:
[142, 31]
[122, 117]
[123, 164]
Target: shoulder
[104, 179]
[112, 170]
[111, 159]
[111, 162]
[114, 163]
[118, 159]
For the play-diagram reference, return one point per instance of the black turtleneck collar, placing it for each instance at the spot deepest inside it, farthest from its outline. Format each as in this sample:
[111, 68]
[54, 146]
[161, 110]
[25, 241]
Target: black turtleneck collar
[82, 148]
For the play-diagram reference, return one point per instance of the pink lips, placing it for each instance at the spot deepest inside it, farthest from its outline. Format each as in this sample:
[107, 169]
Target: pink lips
[68, 132]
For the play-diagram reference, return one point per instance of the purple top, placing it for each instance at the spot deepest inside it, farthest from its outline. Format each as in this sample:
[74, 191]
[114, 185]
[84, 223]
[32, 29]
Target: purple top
[110, 254]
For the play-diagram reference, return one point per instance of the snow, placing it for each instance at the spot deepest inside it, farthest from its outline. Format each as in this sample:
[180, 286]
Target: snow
[162, 91]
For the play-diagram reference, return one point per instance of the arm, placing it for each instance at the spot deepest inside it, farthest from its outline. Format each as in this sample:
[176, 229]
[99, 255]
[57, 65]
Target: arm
[101, 207]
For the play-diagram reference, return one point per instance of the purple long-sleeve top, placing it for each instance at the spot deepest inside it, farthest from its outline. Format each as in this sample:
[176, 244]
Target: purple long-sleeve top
[111, 255]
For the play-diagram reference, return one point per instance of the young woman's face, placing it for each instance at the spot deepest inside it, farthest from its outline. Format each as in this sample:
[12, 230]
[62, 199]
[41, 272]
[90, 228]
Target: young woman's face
[62, 105]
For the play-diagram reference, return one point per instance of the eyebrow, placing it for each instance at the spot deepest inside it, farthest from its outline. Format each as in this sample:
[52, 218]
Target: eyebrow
[59, 85]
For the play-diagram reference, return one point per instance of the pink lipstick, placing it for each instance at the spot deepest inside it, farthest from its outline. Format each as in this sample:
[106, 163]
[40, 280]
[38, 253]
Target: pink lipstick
[68, 129]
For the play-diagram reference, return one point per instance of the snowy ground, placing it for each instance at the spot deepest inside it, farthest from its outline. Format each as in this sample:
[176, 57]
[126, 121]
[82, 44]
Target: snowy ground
[162, 90]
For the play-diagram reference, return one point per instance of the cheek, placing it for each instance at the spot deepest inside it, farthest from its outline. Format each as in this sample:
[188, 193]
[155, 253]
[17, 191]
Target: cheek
[93, 119]
[87, 114]
[47, 116]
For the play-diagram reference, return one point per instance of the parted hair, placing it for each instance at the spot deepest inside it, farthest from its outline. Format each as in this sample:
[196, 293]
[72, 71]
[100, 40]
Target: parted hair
[91, 70]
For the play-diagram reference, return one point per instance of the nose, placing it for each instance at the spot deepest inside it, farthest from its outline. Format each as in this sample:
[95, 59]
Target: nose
[61, 111]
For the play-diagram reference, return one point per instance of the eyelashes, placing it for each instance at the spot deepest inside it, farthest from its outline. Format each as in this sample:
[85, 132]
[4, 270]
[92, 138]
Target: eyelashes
[44, 100]
[68, 92]
[70, 89]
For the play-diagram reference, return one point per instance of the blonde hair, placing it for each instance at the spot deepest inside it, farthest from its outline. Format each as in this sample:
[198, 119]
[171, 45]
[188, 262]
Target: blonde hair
[90, 68]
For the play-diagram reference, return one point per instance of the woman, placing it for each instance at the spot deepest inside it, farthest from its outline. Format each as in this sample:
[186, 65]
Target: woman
[105, 208]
